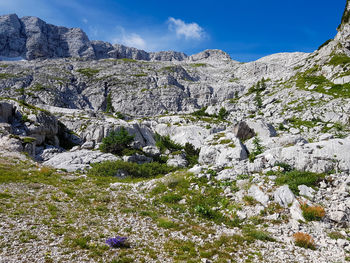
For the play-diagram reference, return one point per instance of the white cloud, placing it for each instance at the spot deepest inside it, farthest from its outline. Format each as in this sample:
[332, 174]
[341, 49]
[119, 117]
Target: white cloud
[189, 31]
[134, 40]
[130, 39]
[85, 21]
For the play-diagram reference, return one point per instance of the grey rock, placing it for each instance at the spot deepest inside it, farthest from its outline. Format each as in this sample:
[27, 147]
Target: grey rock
[326, 136]
[197, 169]
[178, 160]
[6, 112]
[316, 157]
[12, 37]
[295, 211]
[32, 38]
[11, 144]
[262, 129]
[283, 196]
[306, 191]
[255, 192]
[137, 158]
[151, 150]
[210, 54]
[78, 160]
[243, 131]
[88, 145]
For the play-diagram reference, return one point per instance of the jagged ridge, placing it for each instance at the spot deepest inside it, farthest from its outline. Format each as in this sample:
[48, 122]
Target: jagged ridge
[32, 38]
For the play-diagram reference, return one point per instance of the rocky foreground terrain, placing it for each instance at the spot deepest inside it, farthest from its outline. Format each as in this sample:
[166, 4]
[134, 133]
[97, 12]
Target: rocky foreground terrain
[191, 158]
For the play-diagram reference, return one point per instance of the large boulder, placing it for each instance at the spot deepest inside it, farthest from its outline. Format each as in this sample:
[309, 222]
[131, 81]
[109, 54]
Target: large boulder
[262, 129]
[6, 111]
[43, 127]
[222, 152]
[283, 196]
[243, 131]
[78, 160]
[318, 157]
[178, 160]
[255, 192]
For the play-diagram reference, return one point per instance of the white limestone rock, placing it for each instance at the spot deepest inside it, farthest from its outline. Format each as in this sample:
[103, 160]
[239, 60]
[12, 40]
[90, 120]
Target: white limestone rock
[283, 196]
[78, 160]
[255, 192]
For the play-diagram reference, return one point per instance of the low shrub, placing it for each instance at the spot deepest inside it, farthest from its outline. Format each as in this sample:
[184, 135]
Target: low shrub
[192, 154]
[304, 240]
[223, 113]
[116, 141]
[312, 213]
[258, 149]
[165, 143]
[133, 170]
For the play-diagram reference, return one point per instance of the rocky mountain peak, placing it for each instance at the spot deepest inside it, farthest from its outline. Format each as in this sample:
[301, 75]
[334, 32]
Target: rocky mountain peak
[346, 16]
[32, 38]
[210, 54]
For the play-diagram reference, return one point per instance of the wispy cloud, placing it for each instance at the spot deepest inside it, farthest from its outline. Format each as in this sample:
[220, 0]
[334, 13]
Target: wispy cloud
[129, 39]
[187, 30]
[167, 36]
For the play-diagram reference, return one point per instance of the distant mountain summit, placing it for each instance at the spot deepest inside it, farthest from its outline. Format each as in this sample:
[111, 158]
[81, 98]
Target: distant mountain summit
[32, 38]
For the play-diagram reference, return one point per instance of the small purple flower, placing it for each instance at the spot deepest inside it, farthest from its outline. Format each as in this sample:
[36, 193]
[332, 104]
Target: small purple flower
[118, 241]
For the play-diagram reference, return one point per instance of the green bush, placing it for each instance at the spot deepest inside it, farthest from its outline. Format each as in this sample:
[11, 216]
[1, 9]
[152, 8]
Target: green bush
[295, 178]
[116, 141]
[192, 154]
[258, 149]
[165, 143]
[109, 106]
[325, 43]
[133, 170]
[223, 113]
[201, 113]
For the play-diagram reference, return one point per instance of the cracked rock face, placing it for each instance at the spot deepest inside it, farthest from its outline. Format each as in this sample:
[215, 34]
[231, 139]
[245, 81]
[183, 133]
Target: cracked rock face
[32, 38]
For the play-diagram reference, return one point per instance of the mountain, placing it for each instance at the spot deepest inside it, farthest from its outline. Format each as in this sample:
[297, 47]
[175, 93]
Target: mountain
[195, 158]
[32, 38]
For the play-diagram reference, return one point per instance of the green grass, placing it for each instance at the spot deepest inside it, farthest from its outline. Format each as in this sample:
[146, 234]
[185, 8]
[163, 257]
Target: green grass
[198, 65]
[6, 76]
[140, 75]
[251, 232]
[166, 223]
[133, 170]
[39, 87]
[5, 196]
[339, 59]
[88, 72]
[128, 60]
[295, 178]
[336, 235]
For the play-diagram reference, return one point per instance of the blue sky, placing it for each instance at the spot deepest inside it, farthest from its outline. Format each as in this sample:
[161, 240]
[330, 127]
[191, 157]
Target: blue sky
[247, 30]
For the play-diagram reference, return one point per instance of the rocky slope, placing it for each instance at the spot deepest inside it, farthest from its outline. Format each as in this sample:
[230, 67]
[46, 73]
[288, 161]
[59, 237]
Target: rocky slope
[271, 140]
